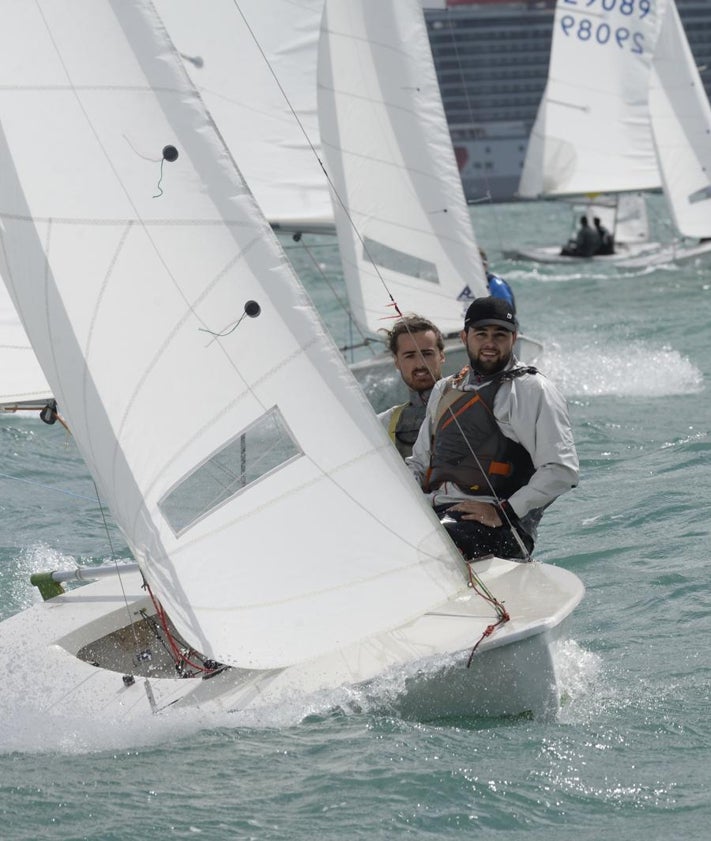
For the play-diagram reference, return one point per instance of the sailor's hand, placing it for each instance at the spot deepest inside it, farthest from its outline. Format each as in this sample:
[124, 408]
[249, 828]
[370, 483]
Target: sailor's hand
[483, 512]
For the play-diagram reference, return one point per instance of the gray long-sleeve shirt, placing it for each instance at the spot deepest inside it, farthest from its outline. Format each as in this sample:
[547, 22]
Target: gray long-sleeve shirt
[529, 410]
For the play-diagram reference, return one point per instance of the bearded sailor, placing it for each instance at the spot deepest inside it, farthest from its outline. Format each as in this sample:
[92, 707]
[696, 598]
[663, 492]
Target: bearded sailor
[417, 346]
[496, 447]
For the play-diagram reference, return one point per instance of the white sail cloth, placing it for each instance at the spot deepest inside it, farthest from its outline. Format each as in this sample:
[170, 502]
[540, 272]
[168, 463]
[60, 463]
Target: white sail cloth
[21, 378]
[593, 133]
[681, 121]
[402, 221]
[250, 477]
[254, 63]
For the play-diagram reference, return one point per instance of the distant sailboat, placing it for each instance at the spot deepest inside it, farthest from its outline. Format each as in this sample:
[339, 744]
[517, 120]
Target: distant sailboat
[282, 542]
[606, 124]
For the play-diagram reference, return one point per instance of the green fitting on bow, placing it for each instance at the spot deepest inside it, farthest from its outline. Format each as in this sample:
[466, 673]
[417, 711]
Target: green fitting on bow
[48, 587]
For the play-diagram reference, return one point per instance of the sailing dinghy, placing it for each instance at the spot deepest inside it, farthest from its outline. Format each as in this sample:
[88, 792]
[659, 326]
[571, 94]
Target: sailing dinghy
[624, 111]
[281, 545]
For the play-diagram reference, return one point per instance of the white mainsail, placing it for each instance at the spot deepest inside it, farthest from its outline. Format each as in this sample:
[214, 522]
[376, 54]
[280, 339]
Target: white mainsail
[402, 221]
[592, 133]
[254, 64]
[260, 495]
[681, 123]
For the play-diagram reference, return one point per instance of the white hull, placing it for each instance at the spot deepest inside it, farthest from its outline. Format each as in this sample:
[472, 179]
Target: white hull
[669, 254]
[512, 672]
[624, 252]
[631, 256]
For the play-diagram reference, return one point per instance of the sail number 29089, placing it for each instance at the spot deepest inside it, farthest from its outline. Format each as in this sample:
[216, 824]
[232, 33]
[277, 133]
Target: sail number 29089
[629, 8]
[602, 33]
[592, 29]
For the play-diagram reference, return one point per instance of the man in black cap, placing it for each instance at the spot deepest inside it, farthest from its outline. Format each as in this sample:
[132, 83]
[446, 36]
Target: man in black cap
[496, 446]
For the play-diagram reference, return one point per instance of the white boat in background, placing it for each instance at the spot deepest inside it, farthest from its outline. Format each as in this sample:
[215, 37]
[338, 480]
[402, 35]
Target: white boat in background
[624, 214]
[281, 544]
[624, 111]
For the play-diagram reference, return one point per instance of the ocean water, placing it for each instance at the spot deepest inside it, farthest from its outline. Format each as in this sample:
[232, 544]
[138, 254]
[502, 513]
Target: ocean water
[628, 755]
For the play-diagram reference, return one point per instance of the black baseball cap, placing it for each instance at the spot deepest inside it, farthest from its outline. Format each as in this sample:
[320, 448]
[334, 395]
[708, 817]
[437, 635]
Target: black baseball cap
[485, 311]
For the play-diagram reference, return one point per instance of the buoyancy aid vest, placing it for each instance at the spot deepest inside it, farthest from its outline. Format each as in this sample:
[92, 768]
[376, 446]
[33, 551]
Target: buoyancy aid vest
[468, 446]
[404, 426]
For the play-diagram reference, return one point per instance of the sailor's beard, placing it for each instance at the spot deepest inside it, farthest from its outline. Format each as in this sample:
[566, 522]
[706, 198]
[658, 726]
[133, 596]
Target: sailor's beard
[489, 366]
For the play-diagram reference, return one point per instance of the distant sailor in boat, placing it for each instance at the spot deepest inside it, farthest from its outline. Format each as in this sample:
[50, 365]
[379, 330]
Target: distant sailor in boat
[606, 242]
[585, 243]
[417, 347]
[496, 446]
[496, 285]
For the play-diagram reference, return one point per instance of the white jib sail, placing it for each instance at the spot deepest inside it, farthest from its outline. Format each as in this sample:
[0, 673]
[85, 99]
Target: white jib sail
[233, 52]
[592, 133]
[255, 486]
[21, 378]
[681, 121]
[399, 202]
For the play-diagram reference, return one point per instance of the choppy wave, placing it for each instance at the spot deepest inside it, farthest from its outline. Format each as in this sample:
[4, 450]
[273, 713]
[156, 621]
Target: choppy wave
[630, 369]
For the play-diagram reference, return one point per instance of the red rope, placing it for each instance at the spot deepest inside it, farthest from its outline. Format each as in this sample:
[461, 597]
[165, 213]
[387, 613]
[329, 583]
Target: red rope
[398, 314]
[503, 614]
[178, 655]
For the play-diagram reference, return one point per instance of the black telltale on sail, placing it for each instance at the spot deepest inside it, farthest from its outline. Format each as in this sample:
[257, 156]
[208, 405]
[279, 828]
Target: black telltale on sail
[170, 154]
[252, 309]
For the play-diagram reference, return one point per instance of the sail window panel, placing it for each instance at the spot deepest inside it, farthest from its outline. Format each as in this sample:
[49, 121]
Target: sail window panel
[394, 260]
[263, 447]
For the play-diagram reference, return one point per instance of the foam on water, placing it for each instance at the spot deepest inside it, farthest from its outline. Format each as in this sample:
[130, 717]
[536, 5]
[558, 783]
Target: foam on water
[579, 675]
[566, 273]
[33, 727]
[630, 369]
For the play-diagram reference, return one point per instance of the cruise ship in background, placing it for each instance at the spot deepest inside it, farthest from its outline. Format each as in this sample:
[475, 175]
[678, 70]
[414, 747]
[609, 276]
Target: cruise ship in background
[492, 61]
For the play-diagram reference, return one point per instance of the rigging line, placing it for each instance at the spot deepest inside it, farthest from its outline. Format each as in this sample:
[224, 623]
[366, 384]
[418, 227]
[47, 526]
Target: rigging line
[300, 243]
[47, 487]
[160, 181]
[117, 567]
[177, 654]
[311, 146]
[322, 273]
[481, 590]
